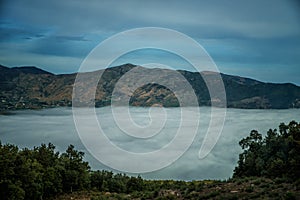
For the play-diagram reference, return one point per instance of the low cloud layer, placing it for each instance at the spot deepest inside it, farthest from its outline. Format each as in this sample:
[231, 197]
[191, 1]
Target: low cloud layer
[31, 128]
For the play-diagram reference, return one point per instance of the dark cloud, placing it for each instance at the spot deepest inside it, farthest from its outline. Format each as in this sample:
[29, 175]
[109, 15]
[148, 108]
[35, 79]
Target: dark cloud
[11, 31]
[72, 38]
[255, 18]
[70, 46]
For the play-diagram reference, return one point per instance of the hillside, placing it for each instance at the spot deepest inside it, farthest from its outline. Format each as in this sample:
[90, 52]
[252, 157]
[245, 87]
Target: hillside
[31, 87]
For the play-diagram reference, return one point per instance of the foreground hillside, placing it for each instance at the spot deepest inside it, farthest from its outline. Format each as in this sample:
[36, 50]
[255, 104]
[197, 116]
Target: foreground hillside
[31, 87]
[244, 188]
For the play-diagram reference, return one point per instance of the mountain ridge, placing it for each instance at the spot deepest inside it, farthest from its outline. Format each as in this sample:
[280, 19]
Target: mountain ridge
[31, 87]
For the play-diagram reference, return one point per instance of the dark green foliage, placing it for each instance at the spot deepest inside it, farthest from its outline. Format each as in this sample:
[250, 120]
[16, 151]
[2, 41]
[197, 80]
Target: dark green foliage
[277, 155]
[74, 170]
[44, 173]
[135, 184]
[41, 172]
[108, 182]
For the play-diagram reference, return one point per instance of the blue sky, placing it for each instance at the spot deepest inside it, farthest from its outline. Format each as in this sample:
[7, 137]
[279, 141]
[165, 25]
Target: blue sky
[256, 39]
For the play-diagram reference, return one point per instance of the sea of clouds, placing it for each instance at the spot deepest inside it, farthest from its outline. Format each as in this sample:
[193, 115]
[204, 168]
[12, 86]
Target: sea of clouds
[29, 128]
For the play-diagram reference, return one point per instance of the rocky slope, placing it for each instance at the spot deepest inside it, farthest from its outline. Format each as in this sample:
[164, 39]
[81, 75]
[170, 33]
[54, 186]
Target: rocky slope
[31, 87]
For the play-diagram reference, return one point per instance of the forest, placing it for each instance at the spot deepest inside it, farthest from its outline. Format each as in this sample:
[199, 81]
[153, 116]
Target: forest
[268, 167]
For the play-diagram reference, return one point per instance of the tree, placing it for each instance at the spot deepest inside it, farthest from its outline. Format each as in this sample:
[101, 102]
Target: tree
[277, 155]
[10, 187]
[97, 180]
[75, 171]
[51, 177]
[135, 184]
[41, 172]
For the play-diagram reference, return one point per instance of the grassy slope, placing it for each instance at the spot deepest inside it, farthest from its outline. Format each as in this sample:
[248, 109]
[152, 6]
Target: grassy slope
[246, 188]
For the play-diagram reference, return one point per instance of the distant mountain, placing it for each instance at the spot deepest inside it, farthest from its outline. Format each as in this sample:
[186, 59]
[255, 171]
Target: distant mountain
[31, 87]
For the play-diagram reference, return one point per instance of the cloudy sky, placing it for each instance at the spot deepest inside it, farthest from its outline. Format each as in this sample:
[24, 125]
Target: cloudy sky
[257, 39]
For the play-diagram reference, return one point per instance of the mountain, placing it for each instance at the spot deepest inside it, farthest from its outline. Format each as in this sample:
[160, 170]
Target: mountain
[31, 87]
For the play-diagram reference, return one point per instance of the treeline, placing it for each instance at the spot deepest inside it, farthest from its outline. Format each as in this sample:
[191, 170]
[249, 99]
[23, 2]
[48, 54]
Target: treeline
[43, 173]
[275, 155]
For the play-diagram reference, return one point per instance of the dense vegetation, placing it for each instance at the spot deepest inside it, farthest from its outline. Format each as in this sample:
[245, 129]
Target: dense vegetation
[277, 155]
[41, 172]
[268, 168]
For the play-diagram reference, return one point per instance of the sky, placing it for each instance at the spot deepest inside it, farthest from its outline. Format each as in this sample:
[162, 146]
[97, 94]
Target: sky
[256, 39]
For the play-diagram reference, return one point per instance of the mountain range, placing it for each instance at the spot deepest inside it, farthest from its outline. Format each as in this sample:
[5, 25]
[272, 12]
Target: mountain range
[34, 88]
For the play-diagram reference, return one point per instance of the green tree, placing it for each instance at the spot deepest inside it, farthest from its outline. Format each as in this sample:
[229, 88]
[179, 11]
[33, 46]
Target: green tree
[97, 180]
[40, 173]
[10, 186]
[135, 184]
[49, 159]
[75, 171]
[277, 155]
